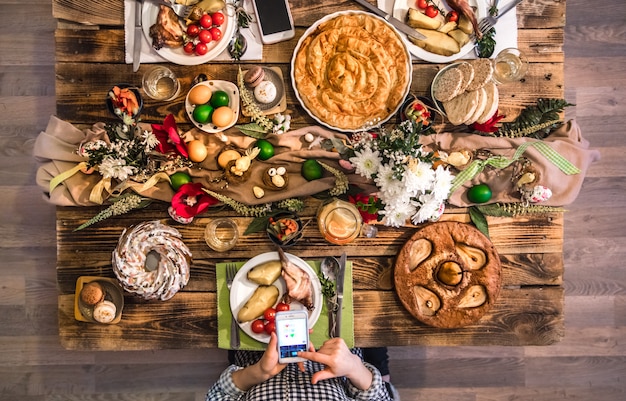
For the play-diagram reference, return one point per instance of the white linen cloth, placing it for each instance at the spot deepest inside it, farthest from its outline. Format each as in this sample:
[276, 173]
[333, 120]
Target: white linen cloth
[506, 27]
[149, 55]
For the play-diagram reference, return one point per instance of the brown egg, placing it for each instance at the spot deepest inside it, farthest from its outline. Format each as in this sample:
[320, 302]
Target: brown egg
[200, 94]
[197, 151]
[227, 156]
[222, 116]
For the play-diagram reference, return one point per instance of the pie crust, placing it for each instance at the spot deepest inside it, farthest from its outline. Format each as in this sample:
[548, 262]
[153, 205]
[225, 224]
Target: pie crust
[448, 274]
[351, 70]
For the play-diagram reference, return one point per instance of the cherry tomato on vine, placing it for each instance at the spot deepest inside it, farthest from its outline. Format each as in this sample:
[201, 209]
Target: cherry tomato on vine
[422, 4]
[189, 48]
[282, 307]
[270, 327]
[193, 30]
[431, 11]
[206, 21]
[452, 16]
[270, 314]
[201, 49]
[218, 18]
[205, 36]
[216, 33]
[258, 326]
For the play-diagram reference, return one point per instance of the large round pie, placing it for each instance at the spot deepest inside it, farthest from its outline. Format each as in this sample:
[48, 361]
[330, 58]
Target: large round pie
[351, 70]
[448, 274]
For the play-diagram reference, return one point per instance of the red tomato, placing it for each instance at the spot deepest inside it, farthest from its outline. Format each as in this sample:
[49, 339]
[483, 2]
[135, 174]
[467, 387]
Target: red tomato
[218, 18]
[206, 21]
[193, 30]
[205, 36]
[216, 33]
[422, 4]
[189, 48]
[201, 49]
[270, 314]
[452, 16]
[282, 307]
[431, 11]
[258, 326]
[270, 327]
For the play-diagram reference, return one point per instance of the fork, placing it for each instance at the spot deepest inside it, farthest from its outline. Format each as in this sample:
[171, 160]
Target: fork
[231, 271]
[181, 10]
[489, 21]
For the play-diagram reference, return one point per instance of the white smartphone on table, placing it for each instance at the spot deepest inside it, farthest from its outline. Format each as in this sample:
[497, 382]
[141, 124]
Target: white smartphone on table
[275, 21]
[292, 331]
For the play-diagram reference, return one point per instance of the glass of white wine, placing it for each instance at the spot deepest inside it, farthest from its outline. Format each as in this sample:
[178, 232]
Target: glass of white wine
[510, 65]
[160, 83]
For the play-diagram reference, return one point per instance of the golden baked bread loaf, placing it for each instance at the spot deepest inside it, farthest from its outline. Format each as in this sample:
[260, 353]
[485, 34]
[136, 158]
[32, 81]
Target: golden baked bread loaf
[448, 274]
[351, 70]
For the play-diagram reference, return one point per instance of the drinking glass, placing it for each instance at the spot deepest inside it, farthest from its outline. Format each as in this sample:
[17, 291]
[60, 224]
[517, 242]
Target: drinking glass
[510, 65]
[160, 83]
[221, 234]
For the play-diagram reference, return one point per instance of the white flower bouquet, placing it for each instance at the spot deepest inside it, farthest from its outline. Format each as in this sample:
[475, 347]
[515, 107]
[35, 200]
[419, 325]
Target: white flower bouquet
[409, 186]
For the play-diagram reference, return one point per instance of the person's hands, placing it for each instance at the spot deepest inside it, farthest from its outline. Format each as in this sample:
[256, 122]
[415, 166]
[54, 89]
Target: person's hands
[269, 361]
[266, 368]
[339, 361]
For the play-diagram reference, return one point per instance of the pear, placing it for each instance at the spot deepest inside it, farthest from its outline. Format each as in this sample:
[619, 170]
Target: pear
[418, 252]
[450, 273]
[428, 302]
[475, 296]
[473, 258]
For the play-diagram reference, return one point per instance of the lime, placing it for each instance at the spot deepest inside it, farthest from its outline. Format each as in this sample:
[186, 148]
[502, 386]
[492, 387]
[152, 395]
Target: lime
[202, 113]
[219, 99]
[311, 170]
[480, 193]
[266, 149]
[179, 179]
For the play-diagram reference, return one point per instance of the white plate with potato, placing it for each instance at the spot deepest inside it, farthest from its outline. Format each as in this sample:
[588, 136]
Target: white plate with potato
[243, 289]
[440, 42]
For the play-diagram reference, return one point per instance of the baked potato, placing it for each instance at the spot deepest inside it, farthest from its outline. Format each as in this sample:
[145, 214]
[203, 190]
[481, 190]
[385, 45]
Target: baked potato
[265, 273]
[265, 296]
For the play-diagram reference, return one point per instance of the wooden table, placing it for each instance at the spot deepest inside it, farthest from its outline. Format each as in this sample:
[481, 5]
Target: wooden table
[90, 58]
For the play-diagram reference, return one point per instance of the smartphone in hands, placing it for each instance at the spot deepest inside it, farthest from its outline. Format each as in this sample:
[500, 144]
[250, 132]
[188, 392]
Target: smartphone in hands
[275, 21]
[292, 331]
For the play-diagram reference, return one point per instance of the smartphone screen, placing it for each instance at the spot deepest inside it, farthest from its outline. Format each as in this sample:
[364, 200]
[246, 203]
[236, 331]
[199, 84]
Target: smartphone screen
[293, 335]
[274, 20]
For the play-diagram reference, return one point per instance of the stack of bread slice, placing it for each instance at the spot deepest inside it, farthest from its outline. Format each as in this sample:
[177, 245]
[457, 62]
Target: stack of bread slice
[466, 92]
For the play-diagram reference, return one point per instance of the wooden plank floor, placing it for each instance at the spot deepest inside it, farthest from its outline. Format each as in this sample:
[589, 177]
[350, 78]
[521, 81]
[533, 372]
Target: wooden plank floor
[588, 364]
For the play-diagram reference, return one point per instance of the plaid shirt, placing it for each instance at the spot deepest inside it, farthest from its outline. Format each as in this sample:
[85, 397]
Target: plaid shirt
[291, 384]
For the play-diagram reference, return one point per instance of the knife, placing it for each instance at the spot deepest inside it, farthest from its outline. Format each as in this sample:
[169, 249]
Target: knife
[508, 7]
[399, 25]
[340, 277]
[138, 35]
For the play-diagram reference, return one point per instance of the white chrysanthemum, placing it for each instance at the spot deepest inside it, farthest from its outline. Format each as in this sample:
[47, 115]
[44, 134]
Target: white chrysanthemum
[427, 207]
[150, 140]
[116, 168]
[387, 183]
[442, 184]
[418, 176]
[366, 162]
[397, 214]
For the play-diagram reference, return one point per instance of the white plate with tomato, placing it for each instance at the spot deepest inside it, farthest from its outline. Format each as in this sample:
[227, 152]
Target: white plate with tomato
[224, 29]
[243, 289]
[401, 8]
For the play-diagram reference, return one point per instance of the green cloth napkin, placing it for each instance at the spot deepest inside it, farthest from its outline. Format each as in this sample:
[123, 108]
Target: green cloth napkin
[320, 330]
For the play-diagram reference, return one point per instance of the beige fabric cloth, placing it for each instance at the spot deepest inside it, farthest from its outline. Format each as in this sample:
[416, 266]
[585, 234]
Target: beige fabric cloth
[566, 140]
[55, 148]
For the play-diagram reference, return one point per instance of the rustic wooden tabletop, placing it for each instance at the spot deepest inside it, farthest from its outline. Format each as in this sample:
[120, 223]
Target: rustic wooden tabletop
[90, 58]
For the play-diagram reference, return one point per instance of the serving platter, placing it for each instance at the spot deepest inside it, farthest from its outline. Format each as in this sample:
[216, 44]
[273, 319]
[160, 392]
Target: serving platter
[400, 10]
[242, 289]
[177, 55]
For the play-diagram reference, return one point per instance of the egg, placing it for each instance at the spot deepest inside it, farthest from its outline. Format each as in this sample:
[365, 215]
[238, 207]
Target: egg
[222, 116]
[197, 151]
[199, 94]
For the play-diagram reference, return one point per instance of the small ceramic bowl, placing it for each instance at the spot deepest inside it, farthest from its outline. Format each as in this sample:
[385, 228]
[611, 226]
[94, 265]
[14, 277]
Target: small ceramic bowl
[115, 103]
[280, 226]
